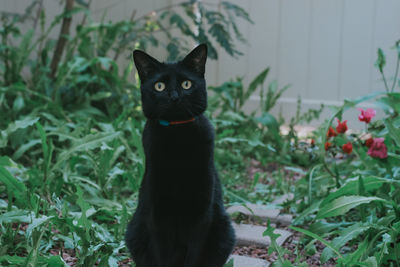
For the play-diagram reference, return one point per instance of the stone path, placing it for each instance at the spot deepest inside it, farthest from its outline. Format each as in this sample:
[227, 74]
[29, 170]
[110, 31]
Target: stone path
[247, 234]
[241, 261]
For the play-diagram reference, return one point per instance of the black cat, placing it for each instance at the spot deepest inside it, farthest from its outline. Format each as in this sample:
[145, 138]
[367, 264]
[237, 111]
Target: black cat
[180, 220]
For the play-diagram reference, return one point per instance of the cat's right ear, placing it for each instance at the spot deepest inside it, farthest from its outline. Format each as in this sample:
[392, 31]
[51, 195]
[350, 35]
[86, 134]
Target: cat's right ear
[145, 64]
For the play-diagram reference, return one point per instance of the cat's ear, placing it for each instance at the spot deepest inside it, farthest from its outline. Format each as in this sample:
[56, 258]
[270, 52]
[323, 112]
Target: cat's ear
[145, 64]
[196, 60]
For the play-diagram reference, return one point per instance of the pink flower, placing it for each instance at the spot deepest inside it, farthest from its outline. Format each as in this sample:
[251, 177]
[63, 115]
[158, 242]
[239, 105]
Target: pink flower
[366, 115]
[378, 149]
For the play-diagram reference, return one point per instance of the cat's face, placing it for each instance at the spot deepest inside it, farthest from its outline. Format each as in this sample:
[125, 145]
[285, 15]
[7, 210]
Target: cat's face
[173, 91]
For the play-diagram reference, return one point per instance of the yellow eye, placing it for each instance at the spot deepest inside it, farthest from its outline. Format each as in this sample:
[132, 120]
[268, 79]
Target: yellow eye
[159, 86]
[186, 84]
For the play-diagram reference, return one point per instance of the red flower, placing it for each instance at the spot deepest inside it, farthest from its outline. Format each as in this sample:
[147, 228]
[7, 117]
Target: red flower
[347, 148]
[378, 149]
[366, 115]
[331, 132]
[342, 126]
[369, 141]
[327, 145]
[312, 142]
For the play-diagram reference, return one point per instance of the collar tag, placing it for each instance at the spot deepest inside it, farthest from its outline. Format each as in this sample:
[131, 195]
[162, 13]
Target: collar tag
[164, 123]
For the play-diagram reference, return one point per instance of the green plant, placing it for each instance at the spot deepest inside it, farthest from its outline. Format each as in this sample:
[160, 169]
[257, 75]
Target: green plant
[356, 181]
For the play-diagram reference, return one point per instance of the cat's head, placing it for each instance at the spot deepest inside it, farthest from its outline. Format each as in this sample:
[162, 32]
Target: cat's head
[173, 91]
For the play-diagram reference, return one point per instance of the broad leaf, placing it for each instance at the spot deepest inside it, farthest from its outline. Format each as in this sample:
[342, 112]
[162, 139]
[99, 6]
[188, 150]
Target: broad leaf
[19, 124]
[351, 187]
[310, 210]
[258, 80]
[344, 236]
[16, 216]
[323, 241]
[11, 182]
[36, 222]
[394, 132]
[343, 204]
[88, 142]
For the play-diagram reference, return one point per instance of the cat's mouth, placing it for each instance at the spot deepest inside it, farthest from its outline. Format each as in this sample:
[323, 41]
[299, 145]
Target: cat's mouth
[178, 111]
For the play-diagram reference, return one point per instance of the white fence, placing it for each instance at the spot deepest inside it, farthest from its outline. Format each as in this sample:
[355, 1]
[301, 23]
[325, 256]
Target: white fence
[325, 49]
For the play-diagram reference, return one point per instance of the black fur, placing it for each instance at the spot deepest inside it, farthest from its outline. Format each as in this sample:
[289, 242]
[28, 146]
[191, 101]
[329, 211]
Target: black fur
[180, 220]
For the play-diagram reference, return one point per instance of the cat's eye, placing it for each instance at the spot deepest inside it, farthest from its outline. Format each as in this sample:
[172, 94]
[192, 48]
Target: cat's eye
[186, 84]
[159, 86]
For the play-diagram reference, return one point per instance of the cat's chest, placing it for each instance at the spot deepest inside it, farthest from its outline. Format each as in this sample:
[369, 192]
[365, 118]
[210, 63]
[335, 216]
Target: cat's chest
[186, 147]
[179, 170]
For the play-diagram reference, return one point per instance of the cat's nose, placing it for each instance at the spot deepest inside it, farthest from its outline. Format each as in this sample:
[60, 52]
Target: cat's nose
[174, 96]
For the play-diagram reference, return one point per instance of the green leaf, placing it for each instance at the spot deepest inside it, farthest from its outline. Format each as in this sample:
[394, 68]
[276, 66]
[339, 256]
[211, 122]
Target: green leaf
[381, 61]
[83, 220]
[310, 210]
[394, 132]
[322, 227]
[88, 142]
[386, 240]
[356, 255]
[323, 241]
[25, 147]
[229, 263]
[252, 143]
[258, 80]
[14, 126]
[43, 138]
[238, 11]
[100, 96]
[310, 182]
[21, 124]
[13, 260]
[16, 216]
[56, 261]
[351, 187]
[342, 205]
[268, 120]
[36, 222]
[11, 182]
[344, 236]
[371, 262]
[274, 245]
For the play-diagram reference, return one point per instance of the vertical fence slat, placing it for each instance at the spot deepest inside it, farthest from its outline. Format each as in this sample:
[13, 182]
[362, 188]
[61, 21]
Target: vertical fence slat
[324, 50]
[356, 56]
[294, 42]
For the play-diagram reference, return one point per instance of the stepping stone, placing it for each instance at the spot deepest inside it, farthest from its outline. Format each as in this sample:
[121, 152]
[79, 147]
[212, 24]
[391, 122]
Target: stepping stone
[242, 261]
[262, 212]
[247, 235]
[282, 199]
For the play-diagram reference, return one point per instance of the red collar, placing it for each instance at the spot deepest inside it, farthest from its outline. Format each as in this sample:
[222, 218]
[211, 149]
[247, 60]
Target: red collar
[167, 123]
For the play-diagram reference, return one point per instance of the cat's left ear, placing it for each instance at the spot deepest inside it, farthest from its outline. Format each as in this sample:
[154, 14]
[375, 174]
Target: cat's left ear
[145, 64]
[196, 60]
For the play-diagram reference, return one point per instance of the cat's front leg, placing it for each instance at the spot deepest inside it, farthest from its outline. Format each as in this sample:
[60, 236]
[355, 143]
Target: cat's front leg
[195, 245]
[193, 253]
[165, 251]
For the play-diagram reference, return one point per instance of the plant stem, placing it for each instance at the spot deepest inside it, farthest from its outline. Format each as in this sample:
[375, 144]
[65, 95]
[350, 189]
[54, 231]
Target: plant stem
[332, 174]
[395, 74]
[61, 42]
[385, 82]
